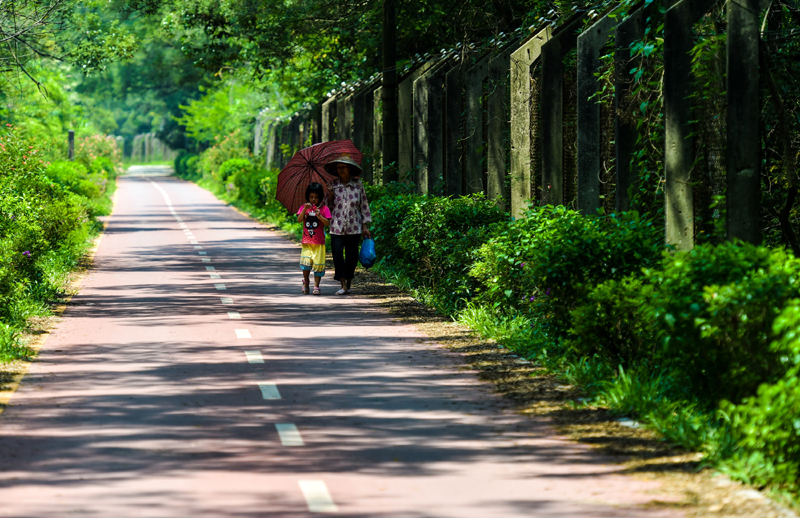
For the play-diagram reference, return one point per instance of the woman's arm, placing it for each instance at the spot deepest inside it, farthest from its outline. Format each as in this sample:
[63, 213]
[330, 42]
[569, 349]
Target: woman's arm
[322, 219]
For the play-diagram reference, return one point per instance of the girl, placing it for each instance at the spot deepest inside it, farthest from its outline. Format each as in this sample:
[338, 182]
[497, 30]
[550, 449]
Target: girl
[315, 217]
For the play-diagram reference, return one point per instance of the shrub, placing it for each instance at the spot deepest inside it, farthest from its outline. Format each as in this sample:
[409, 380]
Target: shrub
[548, 262]
[38, 220]
[234, 167]
[104, 166]
[705, 315]
[90, 148]
[440, 236]
[225, 148]
[611, 324]
[432, 239]
[77, 178]
[389, 205]
[765, 428]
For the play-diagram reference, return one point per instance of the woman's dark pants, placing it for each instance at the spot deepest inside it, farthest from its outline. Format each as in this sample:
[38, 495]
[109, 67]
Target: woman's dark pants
[345, 255]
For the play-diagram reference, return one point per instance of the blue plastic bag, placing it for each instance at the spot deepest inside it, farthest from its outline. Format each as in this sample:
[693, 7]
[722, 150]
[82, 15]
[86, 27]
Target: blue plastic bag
[367, 255]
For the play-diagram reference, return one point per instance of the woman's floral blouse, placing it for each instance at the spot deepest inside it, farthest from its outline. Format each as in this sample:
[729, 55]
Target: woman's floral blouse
[349, 206]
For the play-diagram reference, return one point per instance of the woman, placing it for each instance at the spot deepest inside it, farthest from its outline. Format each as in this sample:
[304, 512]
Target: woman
[350, 220]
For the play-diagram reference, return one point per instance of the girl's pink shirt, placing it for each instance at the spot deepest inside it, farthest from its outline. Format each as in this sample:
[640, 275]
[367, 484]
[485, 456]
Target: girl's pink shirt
[315, 235]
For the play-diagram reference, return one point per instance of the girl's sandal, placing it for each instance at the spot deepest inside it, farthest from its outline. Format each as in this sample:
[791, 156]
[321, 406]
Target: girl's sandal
[305, 288]
[316, 291]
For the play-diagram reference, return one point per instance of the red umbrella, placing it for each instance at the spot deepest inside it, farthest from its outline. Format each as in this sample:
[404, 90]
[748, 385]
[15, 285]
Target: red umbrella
[307, 166]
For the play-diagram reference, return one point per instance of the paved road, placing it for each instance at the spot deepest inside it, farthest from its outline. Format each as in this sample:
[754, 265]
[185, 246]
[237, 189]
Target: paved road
[190, 378]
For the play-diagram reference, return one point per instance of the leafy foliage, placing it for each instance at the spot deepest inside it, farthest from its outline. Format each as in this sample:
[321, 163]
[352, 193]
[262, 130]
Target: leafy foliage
[45, 220]
[546, 263]
[765, 428]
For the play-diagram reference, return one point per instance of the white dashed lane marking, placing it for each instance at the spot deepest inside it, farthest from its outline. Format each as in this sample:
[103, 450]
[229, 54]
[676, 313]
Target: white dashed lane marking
[289, 434]
[317, 497]
[315, 492]
[254, 357]
[206, 260]
[269, 391]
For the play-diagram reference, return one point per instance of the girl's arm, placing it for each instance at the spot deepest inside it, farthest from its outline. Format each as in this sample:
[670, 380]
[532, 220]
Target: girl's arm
[301, 216]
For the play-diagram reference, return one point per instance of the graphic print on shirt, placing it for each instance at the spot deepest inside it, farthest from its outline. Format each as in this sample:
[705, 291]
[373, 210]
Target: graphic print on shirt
[312, 223]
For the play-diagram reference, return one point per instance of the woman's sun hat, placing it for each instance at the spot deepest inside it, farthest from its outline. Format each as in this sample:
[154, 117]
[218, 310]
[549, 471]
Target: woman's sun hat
[344, 158]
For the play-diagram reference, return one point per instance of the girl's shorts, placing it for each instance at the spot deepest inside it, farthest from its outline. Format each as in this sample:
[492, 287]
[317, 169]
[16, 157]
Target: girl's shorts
[312, 258]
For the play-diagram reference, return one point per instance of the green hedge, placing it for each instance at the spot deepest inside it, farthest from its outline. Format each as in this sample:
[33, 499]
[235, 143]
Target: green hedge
[546, 263]
[46, 217]
[700, 345]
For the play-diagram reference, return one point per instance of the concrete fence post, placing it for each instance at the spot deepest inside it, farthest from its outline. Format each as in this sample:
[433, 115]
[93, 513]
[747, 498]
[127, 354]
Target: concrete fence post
[625, 133]
[329, 120]
[590, 43]
[679, 152]
[521, 61]
[552, 118]
[405, 122]
[377, 135]
[497, 123]
[71, 144]
[454, 143]
[429, 127]
[474, 143]
[743, 142]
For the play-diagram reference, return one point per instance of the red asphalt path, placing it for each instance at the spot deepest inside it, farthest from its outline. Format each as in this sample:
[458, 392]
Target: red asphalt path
[143, 403]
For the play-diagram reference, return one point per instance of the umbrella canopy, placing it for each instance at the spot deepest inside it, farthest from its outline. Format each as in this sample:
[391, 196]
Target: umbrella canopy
[307, 166]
